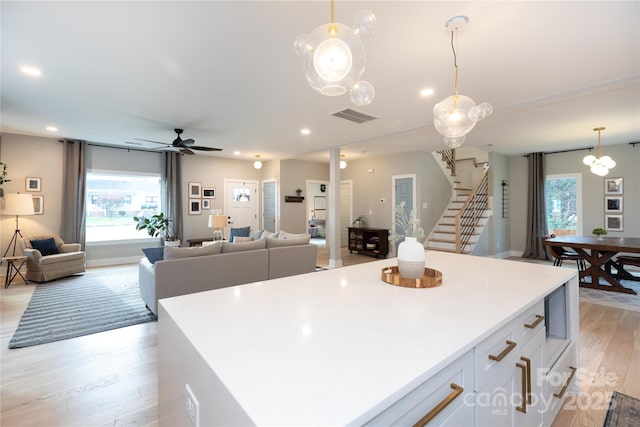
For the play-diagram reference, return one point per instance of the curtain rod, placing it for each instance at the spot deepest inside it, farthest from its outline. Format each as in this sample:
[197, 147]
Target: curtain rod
[144, 150]
[563, 151]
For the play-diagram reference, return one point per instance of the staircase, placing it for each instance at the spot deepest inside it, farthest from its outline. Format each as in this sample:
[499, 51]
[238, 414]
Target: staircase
[461, 224]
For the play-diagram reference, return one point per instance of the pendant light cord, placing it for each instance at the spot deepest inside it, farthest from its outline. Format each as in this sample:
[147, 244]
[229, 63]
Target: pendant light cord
[455, 65]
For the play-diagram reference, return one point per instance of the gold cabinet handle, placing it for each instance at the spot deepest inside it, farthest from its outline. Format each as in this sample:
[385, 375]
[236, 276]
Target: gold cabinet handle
[535, 323]
[510, 346]
[456, 391]
[523, 408]
[528, 363]
[566, 385]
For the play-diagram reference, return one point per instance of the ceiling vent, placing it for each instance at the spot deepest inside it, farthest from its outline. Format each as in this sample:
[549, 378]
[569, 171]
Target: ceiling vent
[354, 116]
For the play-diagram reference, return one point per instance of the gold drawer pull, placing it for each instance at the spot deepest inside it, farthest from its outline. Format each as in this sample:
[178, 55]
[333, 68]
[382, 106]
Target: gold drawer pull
[566, 385]
[535, 322]
[523, 408]
[457, 390]
[528, 362]
[510, 346]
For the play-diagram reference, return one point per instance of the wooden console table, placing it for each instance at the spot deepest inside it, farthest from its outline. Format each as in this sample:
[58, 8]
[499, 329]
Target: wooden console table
[598, 252]
[369, 241]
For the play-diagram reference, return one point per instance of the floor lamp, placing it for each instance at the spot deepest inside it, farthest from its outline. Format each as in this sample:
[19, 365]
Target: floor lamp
[17, 204]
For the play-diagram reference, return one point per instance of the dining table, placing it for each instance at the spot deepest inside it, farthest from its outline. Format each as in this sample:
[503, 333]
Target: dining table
[599, 252]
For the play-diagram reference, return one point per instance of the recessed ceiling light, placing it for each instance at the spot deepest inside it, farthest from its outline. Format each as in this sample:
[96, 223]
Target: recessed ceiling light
[237, 153]
[305, 131]
[426, 92]
[30, 71]
[52, 129]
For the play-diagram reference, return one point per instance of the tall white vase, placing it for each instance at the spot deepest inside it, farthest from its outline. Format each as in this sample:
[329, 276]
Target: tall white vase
[411, 258]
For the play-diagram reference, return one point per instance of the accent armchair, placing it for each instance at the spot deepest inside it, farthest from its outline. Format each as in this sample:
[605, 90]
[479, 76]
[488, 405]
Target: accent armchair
[49, 257]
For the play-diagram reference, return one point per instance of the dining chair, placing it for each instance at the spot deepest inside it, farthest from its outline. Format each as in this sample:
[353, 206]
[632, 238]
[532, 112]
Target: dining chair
[560, 254]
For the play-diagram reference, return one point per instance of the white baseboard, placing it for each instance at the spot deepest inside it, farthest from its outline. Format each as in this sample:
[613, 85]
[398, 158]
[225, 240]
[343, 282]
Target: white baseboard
[113, 261]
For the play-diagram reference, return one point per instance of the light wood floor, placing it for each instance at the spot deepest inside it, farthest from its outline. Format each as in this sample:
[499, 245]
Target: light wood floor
[110, 378]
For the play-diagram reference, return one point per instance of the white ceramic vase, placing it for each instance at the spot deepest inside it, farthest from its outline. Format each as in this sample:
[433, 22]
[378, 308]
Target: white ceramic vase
[411, 258]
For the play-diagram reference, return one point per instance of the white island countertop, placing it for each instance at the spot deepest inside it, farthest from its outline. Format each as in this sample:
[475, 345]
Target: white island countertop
[336, 347]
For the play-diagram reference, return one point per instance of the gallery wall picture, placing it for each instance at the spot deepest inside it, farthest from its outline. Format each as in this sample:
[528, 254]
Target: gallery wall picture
[194, 207]
[613, 222]
[33, 184]
[613, 186]
[38, 205]
[206, 204]
[208, 193]
[613, 204]
[194, 189]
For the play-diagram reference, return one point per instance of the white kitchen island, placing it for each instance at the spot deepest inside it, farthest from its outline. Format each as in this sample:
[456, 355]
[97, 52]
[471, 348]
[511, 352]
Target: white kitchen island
[342, 347]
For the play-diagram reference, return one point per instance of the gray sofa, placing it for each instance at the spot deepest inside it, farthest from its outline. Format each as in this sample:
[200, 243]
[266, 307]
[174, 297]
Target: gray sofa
[190, 270]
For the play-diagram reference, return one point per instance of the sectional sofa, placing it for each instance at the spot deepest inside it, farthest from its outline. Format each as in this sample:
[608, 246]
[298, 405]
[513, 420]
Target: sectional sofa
[184, 271]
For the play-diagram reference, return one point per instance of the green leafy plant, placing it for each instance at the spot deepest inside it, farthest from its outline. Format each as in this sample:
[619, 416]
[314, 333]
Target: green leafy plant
[3, 173]
[599, 231]
[360, 220]
[407, 225]
[157, 225]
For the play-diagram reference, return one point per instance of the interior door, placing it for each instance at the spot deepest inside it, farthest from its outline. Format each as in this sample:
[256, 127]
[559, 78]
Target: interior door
[241, 203]
[269, 199]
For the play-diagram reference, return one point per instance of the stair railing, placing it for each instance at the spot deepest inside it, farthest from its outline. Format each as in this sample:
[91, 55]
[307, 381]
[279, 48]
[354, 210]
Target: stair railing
[469, 216]
[449, 157]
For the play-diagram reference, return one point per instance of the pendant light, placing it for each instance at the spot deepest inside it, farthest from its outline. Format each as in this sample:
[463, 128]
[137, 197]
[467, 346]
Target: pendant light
[334, 58]
[257, 164]
[600, 165]
[343, 162]
[455, 116]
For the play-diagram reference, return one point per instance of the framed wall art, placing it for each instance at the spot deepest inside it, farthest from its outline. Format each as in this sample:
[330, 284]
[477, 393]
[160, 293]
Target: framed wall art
[208, 193]
[613, 186]
[206, 204]
[613, 222]
[613, 204]
[194, 189]
[33, 184]
[38, 205]
[195, 207]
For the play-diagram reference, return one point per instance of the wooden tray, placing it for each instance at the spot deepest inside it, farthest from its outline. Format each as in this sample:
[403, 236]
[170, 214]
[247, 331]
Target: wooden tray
[430, 279]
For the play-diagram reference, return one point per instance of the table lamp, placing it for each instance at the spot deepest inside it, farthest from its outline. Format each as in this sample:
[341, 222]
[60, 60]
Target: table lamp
[217, 222]
[17, 204]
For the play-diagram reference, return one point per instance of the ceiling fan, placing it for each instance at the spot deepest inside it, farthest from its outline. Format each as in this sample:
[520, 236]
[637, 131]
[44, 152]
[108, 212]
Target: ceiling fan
[185, 146]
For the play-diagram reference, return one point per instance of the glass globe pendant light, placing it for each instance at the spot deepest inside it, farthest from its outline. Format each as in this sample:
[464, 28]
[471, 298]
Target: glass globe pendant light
[334, 58]
[343, 162]
[599, 165]
[455, 116]
[257, 164]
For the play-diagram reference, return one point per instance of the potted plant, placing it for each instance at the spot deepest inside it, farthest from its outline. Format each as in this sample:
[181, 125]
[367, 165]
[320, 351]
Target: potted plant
[157, 226]
[359, 221]
[299, 192]
[3, 176]
[599, 232]
[410, 235]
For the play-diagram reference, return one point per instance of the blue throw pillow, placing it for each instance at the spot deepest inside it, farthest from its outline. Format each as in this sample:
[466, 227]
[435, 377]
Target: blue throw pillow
[154, 254]
[46, 246]
[240, 232]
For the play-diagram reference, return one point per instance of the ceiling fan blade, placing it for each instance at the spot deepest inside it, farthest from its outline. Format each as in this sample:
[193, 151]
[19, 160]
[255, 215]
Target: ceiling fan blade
[187, 151]
[148, 140]
[188, 141]
[202, 148]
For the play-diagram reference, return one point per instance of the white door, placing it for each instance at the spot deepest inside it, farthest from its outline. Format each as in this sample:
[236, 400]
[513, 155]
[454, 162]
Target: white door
[241, 203]
[346, 210]
[269, 206]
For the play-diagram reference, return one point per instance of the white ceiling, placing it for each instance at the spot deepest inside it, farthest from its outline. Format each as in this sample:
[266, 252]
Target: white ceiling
[227, 73]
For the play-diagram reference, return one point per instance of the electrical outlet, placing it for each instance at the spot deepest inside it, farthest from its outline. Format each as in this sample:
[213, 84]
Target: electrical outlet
[191, 406]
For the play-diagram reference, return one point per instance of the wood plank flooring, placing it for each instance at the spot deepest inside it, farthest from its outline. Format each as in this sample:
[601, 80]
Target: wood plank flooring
[110, 378]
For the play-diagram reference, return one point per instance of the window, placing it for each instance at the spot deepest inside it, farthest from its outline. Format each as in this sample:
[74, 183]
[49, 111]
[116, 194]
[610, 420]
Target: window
[563, 204]
[114, 198]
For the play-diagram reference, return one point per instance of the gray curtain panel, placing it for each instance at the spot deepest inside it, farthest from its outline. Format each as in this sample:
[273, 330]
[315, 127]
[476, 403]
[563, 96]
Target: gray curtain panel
[171, 191]
[536, 212]
[72, 227]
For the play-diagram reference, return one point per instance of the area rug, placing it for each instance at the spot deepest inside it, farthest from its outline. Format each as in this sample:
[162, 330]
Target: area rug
[624, 411]
[81, 305]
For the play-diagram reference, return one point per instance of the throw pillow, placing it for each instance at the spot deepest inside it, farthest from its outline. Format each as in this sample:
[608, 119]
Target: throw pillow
[154, 254]
[46, 246]
[257, 234]
[178, 253]
[240, 232]
[238, 239]
[276, 243]
[228, 247]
